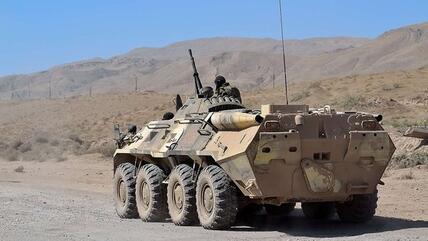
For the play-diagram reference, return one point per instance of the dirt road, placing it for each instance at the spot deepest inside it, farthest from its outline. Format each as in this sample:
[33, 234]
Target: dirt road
[71, 200]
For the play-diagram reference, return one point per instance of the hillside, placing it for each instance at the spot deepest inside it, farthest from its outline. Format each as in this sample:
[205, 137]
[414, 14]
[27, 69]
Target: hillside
[54, 129]
[250, 63]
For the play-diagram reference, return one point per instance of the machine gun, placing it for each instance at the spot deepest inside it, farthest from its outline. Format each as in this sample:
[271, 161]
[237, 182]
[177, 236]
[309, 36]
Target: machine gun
[198, 84]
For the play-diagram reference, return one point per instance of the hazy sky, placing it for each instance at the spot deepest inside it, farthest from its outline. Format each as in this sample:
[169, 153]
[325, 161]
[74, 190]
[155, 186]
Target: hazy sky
[35, 35]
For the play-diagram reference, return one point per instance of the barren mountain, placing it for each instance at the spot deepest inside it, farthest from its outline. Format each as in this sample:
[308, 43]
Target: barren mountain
[249, 63]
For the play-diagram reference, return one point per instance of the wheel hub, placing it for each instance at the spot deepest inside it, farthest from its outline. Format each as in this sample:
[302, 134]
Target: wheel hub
[178, 196]
[145, 192]
[208, 198]
[122, 192]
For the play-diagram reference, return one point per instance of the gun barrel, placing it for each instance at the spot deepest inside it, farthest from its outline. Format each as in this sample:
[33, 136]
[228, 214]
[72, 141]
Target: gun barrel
[198, 84]
[235, 121]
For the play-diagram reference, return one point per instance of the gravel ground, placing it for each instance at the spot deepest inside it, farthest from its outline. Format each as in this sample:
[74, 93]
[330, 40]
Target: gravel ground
[42, 203]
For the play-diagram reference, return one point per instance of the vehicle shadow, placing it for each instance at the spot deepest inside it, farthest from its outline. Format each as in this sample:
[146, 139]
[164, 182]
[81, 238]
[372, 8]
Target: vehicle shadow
[297, 225]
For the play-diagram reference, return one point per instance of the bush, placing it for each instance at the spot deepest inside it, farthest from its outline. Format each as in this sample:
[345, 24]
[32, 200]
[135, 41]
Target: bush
[403, 124]
[409, 160]
[3, 146]
[352, 101]
[61, 158]
[300, 96]
[42, 139]
[19, 169]
[107, 150]
[407, 176]
[75, 138]
[386, 88]
[16, 144]
[12, 156]
[26, 147]
[396, 85]
[54, 143]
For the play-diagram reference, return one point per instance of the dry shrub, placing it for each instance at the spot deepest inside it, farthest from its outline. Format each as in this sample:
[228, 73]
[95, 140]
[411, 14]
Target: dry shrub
[12, 156]
[352, 101]
[300, 96]
[25, 147]
[75, 138]
[42, 139]
[106, 149]
[19, 169]
[409, 160]
[3, 146]
[407, 176]
[54, 143]
[16, 144]
[61, 158]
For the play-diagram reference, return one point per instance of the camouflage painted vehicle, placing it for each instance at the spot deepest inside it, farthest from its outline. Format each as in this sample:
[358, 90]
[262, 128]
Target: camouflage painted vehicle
[215, 156]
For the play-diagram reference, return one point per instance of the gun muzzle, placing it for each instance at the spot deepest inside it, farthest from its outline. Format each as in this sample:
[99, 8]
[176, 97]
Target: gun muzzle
[235, 121]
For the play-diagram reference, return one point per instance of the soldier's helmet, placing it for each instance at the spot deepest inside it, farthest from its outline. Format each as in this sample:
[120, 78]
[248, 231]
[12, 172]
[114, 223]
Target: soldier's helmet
[219, 81]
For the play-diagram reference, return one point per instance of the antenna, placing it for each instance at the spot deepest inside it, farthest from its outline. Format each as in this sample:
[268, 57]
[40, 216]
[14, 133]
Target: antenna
[283, 53]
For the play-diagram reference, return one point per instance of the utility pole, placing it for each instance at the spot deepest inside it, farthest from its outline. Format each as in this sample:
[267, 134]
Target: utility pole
[50, 89]
[273, 80]
[136, 83]
[29, 89]
[12, 90]
[90, 91]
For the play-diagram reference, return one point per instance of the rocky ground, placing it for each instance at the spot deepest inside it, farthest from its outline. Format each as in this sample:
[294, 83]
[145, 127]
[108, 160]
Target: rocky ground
[71, 200]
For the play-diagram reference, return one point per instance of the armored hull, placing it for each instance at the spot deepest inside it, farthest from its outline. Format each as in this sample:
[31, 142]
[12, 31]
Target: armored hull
[280, 154]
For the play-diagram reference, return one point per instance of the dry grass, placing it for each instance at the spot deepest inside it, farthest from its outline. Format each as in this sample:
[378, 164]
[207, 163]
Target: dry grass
[19, 169]
[407, 176]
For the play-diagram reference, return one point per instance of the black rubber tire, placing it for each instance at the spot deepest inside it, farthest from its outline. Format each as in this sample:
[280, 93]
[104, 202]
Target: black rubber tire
[149, 182]
[224, 205]
[360, 209]
[124, 200]
[283, 209]
[318, 210]
[180, 178]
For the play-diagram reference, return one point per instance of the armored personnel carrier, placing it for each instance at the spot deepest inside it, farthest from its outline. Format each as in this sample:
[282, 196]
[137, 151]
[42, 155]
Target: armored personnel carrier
[214, 156]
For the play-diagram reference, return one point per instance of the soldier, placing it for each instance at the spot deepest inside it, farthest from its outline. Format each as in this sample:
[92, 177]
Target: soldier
[223, 88]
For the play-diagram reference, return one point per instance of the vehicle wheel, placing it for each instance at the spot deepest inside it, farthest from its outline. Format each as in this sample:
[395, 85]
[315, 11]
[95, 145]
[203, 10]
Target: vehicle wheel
[360, 209]
[318, 210]
[284, 209]
[124, 191]
[216, 199]
[181, 196]
[151, 194]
